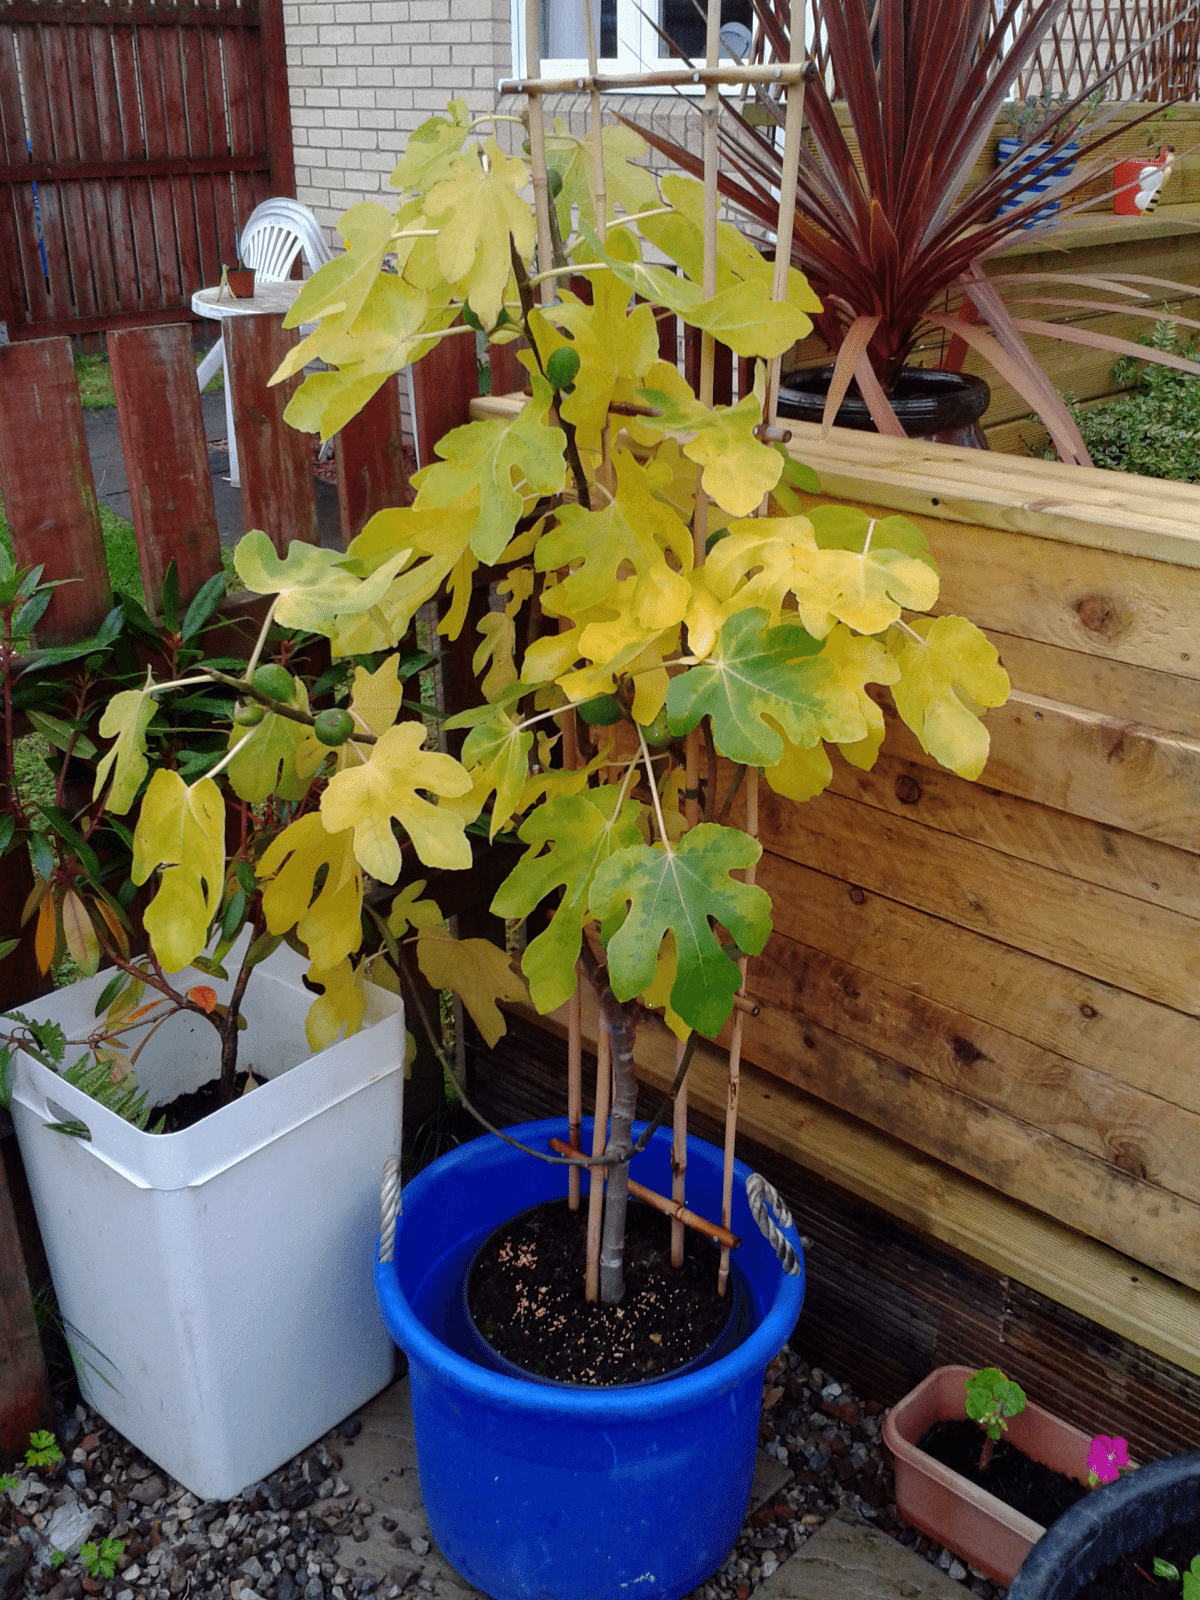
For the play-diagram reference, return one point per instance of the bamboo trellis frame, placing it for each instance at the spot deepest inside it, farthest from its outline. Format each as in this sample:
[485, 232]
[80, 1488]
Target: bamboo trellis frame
[789, 79]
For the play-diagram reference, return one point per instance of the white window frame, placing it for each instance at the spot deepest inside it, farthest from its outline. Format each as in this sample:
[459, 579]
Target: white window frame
[637, 48]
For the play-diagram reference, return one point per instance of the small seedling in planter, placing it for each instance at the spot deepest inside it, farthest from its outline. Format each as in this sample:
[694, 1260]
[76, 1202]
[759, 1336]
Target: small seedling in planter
[100, 1561]
[8, 1482]
[1190, 1578]
[991, 1400]
[57, 1558]
[43, 1450]
[1107, 1459]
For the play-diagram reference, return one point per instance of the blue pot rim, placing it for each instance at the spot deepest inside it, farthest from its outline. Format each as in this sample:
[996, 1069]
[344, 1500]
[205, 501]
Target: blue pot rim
[616, 1403]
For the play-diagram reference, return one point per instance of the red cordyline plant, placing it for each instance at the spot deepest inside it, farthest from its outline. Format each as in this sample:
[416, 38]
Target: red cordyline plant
[884, 238]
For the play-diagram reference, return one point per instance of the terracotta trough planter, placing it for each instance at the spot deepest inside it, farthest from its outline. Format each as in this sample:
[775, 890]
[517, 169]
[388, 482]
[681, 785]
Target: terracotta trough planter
[985, 1532]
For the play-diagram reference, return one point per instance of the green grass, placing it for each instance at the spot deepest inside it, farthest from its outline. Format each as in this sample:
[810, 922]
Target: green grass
[94, 377]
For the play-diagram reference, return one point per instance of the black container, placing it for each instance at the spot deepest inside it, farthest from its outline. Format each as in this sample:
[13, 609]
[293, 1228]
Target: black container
[1108, 1524]
[941, 406]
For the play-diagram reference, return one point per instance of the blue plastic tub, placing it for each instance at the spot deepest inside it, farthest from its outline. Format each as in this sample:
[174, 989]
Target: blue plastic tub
[543, 1492]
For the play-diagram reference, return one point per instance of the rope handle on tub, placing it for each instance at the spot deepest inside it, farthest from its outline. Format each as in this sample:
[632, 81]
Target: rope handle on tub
[762, 1196]
[389, 1207]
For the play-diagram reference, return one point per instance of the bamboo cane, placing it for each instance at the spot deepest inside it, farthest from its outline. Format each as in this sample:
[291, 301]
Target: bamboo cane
[793, 126]
[664, 78]
[537, 151]
[690, 1219]
[735, 1053]
[599, 1140]
[595, 129]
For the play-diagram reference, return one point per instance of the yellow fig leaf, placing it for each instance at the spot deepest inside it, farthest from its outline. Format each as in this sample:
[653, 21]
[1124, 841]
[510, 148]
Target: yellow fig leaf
[313, 585]
[442, 534]
[737, 470]
[367, 798]
[410, 911]
[496, 754]
[431, 148]
[617, 345]
[340, 1007]
[860, 661]
[634, 533]
[658, 995]
[375, 696]
[627, 186]
[127, 716]
[486, 455]
[339, 288]
[881, 566]
[329, 919]
[477, 971]
[181, 830]
[476, 207]
[496, 654]
[267, 761]
[750, 322]
[800, 774]
[947, 669]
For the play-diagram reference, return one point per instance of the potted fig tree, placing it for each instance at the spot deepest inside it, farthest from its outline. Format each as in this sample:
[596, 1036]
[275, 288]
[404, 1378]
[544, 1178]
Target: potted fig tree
[652, 646]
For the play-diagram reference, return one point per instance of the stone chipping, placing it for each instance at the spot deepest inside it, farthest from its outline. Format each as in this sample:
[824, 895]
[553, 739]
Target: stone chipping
[315, 1530]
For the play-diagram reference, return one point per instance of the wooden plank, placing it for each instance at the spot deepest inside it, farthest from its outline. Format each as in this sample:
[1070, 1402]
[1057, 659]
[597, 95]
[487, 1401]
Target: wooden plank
[166, 456]
[1074, 846]
[241, 138]
[508, 375]
[370, 464]
[1100, 1282]
[24, 1392]
[444, 384]
[256, 104]
[722, 366]
[49, 497]
[168, 246]
[1091, 1195]
[834, 1010]
[139, 190]
[101, 324]
[1091, 765]
[165, 45]
[139, 12]
[1128, 943]
[111, 145]
[212, 43]
[86, 120]
[72, 196]
[112, 169]
[1096, 1024]
[274, 89]
[41, 136]
[199, 144]
[1098, 683]
[22, 284]
[276, 460]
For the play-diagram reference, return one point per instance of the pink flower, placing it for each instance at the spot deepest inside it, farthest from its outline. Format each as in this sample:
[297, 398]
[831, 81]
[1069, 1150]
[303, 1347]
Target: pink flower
[1105, 1459]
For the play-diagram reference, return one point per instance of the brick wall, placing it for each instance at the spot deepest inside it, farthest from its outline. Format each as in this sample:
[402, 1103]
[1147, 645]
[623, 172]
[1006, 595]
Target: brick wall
[364, 73]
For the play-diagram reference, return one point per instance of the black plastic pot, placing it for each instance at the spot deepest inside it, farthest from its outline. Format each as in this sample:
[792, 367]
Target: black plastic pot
[1108, 1524]
[931, 404]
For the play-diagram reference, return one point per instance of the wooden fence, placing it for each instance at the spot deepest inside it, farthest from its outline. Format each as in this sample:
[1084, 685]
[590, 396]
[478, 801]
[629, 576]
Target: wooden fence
[135, 140]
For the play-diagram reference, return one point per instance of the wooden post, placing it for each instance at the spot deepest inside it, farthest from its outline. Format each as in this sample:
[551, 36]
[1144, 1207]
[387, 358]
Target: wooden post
[166, 457]
[276, 460]
[278, 106]
[370, 461]
[47, 486]
[24, 1392]
[444, 384]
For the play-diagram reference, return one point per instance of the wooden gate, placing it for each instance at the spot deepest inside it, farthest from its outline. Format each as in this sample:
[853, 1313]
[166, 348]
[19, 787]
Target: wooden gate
[135, 140]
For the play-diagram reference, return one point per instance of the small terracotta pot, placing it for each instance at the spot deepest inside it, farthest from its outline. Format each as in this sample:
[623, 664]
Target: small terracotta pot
[985, 1532]
[241, 282]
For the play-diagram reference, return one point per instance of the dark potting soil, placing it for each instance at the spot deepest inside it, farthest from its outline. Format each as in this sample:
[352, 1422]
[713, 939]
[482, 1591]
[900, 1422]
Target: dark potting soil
[1132, 1578]
[526, 1295]
[188, 1109]
[1029, 1487]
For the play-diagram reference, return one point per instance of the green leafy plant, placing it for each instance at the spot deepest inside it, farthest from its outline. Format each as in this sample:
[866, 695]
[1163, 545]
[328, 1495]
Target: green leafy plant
[1190, 1578]
[57, 1557]
[8, 1481]
[43, 1450]
[616, 518]
[1154, 428]
[100, 1561]
[991, 1400]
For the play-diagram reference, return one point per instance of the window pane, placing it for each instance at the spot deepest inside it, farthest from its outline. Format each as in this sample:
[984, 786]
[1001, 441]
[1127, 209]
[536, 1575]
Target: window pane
[683, 22]
[563, 33]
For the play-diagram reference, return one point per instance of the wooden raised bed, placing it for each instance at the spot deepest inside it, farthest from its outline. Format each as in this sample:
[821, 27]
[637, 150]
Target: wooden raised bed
[980, 1009]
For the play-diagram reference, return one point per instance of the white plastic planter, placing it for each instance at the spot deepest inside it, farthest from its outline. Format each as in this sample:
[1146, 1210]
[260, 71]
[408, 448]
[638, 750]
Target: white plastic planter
[216, 1283]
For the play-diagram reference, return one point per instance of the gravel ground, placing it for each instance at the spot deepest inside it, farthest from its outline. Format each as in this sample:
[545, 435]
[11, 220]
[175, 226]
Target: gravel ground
[294, 1536]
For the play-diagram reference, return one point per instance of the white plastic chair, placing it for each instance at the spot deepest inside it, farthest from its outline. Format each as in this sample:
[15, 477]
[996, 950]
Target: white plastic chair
[276, 232]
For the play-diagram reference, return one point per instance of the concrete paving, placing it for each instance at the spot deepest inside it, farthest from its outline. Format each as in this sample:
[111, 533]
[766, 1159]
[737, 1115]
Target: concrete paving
[112, 486]
[846, 1559]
